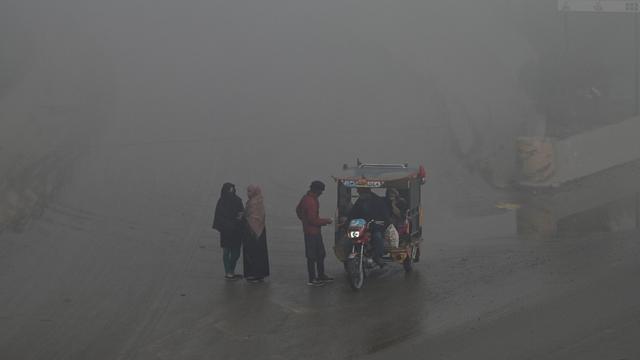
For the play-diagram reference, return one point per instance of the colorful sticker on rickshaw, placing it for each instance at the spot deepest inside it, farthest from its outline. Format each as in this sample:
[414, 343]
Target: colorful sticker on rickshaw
[363, 183]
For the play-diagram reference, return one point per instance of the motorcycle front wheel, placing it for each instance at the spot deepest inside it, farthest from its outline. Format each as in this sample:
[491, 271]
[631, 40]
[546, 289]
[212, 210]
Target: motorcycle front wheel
[355, 272]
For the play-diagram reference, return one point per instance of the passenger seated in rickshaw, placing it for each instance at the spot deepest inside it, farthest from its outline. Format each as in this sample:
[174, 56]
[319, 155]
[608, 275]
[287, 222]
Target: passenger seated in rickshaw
[398, 207]
[344, 207]
[370, 206]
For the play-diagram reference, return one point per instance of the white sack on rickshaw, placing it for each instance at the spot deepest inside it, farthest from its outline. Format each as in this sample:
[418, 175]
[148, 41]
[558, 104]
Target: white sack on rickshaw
[391, 236]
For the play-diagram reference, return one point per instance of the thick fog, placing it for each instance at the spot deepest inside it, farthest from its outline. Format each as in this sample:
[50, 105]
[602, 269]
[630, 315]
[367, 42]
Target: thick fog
[288, 90]
[120, 121]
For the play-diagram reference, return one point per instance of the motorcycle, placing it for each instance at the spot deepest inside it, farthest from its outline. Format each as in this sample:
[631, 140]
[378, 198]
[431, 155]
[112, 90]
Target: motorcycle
[361, 256]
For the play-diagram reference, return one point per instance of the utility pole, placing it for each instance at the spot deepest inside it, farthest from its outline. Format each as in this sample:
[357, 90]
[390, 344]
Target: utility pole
[637, 210]
[635, 62]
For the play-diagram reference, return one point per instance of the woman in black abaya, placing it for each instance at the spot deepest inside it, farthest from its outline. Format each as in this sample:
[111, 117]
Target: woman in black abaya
[228, 221]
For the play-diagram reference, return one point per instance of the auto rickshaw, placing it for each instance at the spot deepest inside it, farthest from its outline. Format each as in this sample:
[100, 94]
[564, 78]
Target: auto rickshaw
[351, 237]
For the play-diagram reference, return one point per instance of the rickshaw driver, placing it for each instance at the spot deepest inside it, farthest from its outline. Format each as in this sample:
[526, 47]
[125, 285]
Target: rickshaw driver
[370, 206]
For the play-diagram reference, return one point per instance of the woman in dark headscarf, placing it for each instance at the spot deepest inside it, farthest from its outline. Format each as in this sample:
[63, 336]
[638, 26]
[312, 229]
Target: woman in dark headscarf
[255, 256]
[228, 221]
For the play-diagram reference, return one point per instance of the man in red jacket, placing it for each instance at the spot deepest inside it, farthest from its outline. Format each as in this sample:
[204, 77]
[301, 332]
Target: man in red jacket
[308, 210]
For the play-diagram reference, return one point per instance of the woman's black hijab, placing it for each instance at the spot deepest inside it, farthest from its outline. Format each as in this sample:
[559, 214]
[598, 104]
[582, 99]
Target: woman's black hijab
[227, 190]
[228, 208]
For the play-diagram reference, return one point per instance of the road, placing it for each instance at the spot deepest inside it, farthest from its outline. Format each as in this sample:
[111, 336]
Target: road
[123, 264]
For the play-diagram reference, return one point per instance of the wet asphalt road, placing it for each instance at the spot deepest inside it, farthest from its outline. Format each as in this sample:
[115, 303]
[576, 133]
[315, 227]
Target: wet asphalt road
[124, 265]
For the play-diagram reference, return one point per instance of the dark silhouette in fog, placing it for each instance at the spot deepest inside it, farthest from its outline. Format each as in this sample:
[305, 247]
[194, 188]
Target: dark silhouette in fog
[228, 221]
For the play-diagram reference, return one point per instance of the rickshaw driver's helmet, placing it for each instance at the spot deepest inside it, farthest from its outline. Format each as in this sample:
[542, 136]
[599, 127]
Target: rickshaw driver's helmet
[317, 186]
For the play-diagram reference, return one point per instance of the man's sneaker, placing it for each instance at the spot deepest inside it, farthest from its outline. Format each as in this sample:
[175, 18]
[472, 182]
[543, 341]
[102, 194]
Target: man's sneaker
[325, 278]
[230, 277]
[315, 282]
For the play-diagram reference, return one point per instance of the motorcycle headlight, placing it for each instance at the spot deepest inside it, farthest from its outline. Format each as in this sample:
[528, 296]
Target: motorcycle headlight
[354, 234]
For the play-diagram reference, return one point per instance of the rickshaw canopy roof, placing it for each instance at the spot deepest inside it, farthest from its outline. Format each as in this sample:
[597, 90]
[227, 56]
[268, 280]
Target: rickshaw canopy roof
[365, 175]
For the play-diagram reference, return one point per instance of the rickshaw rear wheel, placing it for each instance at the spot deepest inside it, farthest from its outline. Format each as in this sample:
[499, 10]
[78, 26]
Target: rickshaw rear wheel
[407, 264]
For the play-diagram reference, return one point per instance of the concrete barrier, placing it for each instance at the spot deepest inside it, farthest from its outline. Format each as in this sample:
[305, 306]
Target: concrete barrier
[578, 156]
[535, 158]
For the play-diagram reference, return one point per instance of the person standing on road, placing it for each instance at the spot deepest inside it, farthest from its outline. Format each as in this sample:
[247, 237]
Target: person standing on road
[255, 255]
[308, 210]
[228, 221]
